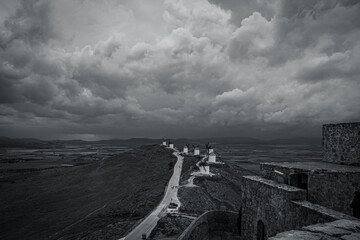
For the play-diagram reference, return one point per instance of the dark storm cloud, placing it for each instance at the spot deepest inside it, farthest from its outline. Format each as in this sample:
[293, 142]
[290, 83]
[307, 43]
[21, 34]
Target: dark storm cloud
[303, 24]
[22, 33]
[337, 66]
[31, 23]
[179, 67]
[245, 8]
[322, 26]
[294, 8]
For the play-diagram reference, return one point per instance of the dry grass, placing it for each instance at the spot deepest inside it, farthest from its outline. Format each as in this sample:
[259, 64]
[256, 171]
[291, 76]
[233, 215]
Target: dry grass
[101, 200]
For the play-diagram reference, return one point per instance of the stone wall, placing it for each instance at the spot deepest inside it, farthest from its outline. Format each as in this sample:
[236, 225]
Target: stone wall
[272, 172]
[280, 207]
[211, 221]
[340, 229]
[341, 143]
[334, 190]
[267, 201]
[308, 213]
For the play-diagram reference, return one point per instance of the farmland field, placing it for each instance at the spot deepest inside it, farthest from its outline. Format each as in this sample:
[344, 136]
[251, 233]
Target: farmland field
[99, 191]
[75, 193]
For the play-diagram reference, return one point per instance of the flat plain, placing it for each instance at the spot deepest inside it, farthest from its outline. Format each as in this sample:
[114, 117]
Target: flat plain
[91, 196]
[100, 191]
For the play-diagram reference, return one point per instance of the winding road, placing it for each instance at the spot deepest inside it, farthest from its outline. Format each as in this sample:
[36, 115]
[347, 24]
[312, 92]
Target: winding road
[149, 223]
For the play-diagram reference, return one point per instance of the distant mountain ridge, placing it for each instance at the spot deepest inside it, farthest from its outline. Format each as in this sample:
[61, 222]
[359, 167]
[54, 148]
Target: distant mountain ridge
[300, 140]
[37, 143]
[23, 142]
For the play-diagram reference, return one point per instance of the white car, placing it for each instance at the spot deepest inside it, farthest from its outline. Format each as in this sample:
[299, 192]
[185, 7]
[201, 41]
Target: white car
[171, 210]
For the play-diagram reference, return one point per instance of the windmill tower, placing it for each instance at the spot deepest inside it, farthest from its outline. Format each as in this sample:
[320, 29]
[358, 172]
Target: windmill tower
[196, 150]
[212, 157]
[163, 142]
[171, 145]
[186, 149]
[209, 148]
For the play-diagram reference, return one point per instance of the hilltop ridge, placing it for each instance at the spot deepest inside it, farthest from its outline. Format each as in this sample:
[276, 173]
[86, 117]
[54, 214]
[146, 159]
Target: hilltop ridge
[37, 143]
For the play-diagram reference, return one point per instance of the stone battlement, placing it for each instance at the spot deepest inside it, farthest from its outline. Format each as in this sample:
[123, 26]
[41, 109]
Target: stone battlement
[341, 143]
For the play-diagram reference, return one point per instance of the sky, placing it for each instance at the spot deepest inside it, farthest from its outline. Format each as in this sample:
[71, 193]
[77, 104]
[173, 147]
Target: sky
[102, 69]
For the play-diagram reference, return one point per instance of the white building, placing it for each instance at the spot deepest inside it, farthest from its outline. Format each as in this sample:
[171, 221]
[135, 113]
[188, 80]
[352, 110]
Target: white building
[171, 145]
[164, 143]
[186, 150]
[212, 157]
[196, 151]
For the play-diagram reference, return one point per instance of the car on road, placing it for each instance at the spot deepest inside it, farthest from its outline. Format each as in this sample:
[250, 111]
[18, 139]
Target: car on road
[172, 208]
[172, 205]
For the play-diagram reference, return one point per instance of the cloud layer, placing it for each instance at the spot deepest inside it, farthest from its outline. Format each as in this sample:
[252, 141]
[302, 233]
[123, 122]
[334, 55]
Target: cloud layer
[179, 68]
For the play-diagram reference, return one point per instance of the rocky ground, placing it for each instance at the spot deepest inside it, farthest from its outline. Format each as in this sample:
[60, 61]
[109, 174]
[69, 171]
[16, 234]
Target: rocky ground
[99, 200]
[189, 166]
[213, 193]
[170, 227]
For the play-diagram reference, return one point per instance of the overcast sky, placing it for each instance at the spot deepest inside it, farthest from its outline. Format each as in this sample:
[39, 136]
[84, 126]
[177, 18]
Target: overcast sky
[104, 69]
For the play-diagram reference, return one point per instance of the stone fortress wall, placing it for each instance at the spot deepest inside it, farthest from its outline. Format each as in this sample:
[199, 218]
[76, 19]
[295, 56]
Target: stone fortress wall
[330, 185]
[278, 207]
[292, 195]
[336, 230]
[267, 203]
[341, 143]
[334, 190]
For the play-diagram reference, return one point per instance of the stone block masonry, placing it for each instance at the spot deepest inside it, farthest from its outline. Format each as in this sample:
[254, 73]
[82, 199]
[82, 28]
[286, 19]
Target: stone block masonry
[268, 204]
[270, 207]
[334, 190]
[330, 185]
[341, 143]
[337, 230]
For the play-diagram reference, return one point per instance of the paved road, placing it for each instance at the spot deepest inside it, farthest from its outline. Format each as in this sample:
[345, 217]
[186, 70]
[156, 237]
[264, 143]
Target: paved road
[149, 223]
